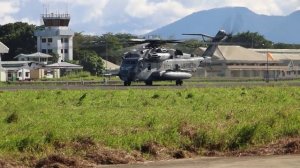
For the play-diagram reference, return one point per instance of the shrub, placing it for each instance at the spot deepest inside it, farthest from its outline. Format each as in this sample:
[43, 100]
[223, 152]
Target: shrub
[155, 96]
[25, 144]
[12, 118]
[243, 137]
[201, 139]
[81, 99]
[190, 96]
[49, 138]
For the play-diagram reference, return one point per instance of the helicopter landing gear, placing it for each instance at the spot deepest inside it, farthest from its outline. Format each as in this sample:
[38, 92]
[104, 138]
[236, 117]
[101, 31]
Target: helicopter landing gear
[149, 83]
[127, 83]
[179, 82]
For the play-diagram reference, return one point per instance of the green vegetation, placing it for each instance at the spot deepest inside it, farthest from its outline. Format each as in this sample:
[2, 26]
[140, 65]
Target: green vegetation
[75, 76]
[250, 40]
[109, 46]
[19, 38]
[222, 119]
[91, 62]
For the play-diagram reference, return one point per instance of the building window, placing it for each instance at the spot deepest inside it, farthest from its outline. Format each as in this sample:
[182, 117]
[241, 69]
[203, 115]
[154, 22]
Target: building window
[44, 51]
[66, 40]
[49, 40]
[19, 74]
[62, 40]
[66, 51]
[50, 51]
[27, 74]
[62, 51]
[43, 40]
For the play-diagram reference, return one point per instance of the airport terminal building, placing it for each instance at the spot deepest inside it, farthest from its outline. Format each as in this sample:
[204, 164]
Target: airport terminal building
[240, 62]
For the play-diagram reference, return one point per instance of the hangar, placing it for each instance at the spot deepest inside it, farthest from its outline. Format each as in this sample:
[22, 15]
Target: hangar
[240, 62]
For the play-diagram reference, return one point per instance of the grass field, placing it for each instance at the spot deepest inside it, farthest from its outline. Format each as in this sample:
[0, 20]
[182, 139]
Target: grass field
[222, 119]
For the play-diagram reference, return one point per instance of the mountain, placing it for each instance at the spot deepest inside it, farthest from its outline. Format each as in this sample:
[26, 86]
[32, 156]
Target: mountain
[284, 29]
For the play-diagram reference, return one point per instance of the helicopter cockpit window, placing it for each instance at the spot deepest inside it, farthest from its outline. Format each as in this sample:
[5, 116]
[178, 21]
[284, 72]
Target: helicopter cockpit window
[130, 55]
[130, 62]
[158, 50]
[161, 50]
[178, 52]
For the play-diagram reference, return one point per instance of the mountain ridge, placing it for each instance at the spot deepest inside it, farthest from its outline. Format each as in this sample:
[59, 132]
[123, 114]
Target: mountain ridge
[235, 19]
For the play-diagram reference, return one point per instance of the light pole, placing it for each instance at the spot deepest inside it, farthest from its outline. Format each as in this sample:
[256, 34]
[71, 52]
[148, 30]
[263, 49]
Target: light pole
[267, 73]
[106, 55]
[267, 80]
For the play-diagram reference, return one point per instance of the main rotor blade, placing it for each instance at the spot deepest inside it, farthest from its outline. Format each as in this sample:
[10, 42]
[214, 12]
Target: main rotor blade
[137, 40]
[203, 35]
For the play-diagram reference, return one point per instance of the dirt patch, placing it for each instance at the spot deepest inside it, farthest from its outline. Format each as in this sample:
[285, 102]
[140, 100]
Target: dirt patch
[99, 155]
[109, 157]
[59, 145]
[4, 164]
[281, 147]
[292, 147]
[187, 130]
[8, 164]
[155, 151]
[151, 148]
[83, 143]
[57, 161]
[181, 154]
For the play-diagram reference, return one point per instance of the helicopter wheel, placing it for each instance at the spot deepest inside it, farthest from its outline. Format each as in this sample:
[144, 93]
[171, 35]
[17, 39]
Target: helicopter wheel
[179, 82]
[149, 83]
[127, 83]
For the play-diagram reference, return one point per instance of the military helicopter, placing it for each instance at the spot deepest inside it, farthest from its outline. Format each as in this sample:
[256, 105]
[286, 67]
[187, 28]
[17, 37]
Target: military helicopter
[152, 62]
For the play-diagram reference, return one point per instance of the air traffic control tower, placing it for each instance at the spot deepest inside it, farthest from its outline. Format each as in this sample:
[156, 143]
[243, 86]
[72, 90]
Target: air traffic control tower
[55, 36]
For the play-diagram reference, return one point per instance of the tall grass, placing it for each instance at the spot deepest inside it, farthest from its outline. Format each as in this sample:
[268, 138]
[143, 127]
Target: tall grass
[206, 118]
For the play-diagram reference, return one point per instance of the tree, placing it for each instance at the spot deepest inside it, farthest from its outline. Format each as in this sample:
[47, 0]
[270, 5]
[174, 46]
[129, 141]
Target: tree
[108, 45]
[286, 46]
[19, 38]
[91, 62]
[55, 57]
[250, 40]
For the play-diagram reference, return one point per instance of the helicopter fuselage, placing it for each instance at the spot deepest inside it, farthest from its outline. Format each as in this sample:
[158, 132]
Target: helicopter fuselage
[154, 63]
[146, 66]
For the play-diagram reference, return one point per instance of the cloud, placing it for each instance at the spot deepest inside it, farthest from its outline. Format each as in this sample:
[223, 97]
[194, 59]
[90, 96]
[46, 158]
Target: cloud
[86, 10]
[145, 8]
[7, 9]
[30, 21]
[133, 16]
[258, 6]
[289, 6]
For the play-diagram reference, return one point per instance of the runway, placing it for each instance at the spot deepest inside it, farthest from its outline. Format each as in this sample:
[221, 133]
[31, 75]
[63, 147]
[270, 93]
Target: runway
[288, 161]
[187, 85]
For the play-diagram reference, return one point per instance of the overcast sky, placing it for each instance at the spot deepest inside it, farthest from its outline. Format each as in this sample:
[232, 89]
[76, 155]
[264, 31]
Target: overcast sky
[129, 16]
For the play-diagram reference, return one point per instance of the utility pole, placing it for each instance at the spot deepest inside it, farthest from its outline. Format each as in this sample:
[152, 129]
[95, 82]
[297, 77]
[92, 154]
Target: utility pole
[267, 73]
[267, 80]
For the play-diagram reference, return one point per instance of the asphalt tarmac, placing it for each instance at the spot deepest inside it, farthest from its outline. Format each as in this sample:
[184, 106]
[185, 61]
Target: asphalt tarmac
[66, 86]
[287, 161]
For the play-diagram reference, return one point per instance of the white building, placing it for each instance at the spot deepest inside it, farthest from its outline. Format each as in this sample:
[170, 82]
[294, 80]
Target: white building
[240, 62]
[3, 49]
[36, 57]
[55, 36]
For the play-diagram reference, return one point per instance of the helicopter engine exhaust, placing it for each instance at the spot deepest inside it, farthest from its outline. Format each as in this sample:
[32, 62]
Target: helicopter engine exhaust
[176, 75]
[207, 60]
